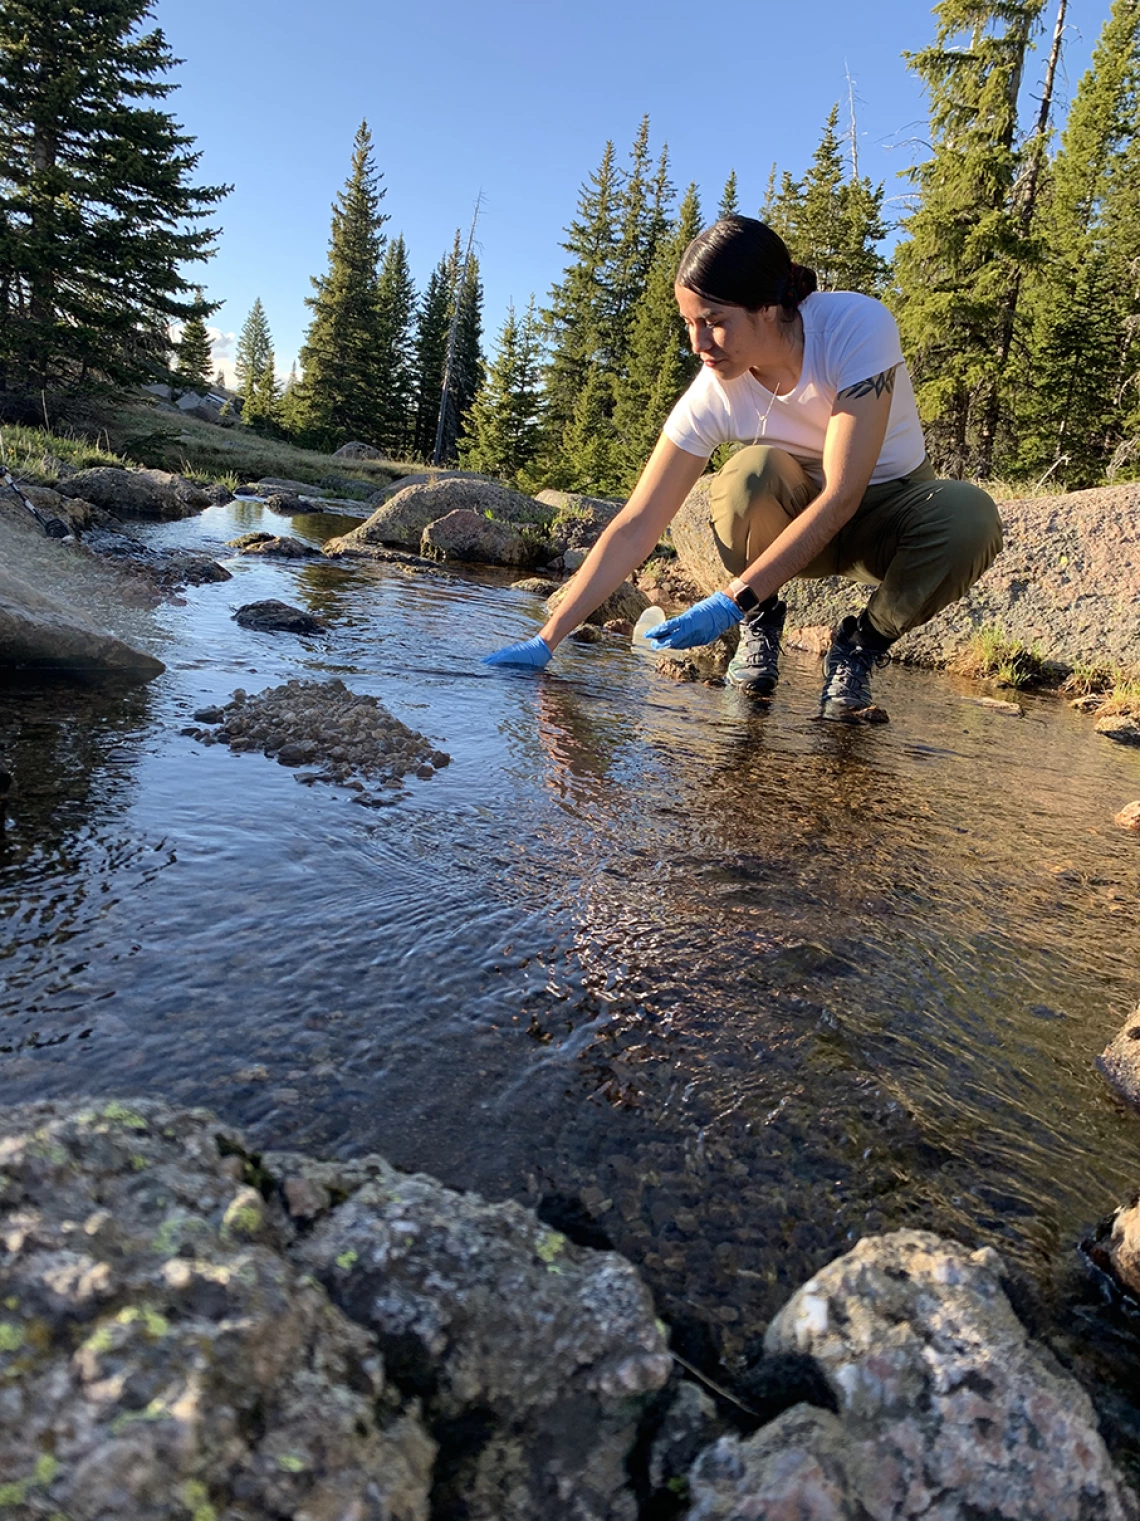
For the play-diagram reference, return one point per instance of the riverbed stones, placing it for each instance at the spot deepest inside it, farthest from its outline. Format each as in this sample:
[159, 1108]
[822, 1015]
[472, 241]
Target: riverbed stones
[467, 536]
[948, 1409]
[275, 546]
[536, 1354]
[537, 586]
[37, 633]
[1122, 1248]
[1129, 816]
[349, 735]
[1121, 728]
[136, 493]
[1119, 1062]
[272, 616]
[160, 1358]
[401, 519]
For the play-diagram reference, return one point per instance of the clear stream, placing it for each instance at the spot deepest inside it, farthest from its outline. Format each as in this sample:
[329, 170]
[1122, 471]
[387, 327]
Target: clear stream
[745, 985]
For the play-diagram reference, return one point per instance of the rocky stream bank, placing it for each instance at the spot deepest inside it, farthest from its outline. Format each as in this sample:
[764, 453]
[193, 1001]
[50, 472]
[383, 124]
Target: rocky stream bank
[191, 1329]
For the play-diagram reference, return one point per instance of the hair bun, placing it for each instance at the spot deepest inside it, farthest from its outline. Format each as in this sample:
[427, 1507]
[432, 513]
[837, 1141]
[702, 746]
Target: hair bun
[800, 282]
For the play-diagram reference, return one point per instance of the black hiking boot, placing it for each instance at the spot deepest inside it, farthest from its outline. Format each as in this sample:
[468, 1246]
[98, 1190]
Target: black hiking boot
[847, 668]
[755, 668]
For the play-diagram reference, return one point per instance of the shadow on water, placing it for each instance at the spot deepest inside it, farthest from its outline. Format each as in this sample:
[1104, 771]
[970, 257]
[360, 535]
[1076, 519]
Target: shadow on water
[741, 986]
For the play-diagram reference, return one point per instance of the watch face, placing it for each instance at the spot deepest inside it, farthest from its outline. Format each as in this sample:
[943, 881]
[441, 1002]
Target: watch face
[746, 599]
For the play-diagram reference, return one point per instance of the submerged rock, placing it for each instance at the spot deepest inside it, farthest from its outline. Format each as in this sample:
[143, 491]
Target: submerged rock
[272, 616]
[1119, 1062]
[39, 634]
[946, 1405]
[1129, 816]
[323, 723]
[538, 586]
[276, 546]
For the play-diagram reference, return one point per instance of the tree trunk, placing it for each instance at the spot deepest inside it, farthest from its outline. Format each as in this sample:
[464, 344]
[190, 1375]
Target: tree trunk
[1024, 199]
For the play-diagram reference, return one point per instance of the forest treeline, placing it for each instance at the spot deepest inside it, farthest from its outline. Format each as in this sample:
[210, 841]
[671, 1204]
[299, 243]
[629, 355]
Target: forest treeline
[1014, 271]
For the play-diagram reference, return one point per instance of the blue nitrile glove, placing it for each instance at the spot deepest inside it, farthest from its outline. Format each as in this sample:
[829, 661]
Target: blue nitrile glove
[531, 652]
[702, 624]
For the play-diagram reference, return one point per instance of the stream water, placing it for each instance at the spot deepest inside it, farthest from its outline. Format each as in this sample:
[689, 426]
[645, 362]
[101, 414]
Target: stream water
[742, 985]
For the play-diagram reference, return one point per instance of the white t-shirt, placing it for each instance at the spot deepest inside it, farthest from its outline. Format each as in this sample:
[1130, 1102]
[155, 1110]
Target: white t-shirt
[847, 338]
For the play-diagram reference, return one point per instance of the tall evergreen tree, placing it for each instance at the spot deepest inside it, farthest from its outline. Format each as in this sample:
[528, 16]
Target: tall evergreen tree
[661, 362]
[1072, 413]
[262, 407]
[590, 455]
[98, 213]
[432, 327]
[966, 243]
[396, 307]
[502, 432]
[831, 223]
[643, 214]
[729, 205]
[253, 347]
[577, 320]
[340, 392]
[195, 357]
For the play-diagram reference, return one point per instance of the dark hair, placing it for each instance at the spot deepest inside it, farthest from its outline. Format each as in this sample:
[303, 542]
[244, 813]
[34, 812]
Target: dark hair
[742, 262]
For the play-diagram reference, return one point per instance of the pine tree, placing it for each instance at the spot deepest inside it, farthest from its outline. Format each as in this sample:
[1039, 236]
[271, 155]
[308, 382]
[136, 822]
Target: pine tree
[220, 379]
[194, 353]
[340, 393]
[643, 212]
[1072, 411]
[661, 362]
[502, 431]
[430, 355]
[263, 398]
[729, 205]
[396, 305]
[98, 215]
[966, 244]
[589, 458]
[288, 419]
[832, 223]
[253, 346]
[577, 320]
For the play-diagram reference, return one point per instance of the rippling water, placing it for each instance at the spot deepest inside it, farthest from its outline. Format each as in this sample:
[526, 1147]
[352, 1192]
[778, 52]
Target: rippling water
[746, 985]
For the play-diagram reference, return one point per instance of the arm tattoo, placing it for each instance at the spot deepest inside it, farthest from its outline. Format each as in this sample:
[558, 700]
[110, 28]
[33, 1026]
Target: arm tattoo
[877, 383]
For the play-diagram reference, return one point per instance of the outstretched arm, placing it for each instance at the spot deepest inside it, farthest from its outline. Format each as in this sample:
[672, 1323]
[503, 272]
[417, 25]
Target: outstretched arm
[664, 484]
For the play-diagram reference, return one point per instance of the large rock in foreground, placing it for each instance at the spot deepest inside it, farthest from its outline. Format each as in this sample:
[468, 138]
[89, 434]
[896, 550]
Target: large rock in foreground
[1065, 582]
[402, 519]
[137, 493]
[161, 1357]
[948, 1409]
[189, 1330]
[39, 634]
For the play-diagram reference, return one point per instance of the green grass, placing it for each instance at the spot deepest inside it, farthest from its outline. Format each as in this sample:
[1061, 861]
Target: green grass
[1007, 662]
[136, 433]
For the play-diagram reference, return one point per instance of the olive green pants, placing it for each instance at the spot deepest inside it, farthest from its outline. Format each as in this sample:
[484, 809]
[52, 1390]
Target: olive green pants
[920, 541]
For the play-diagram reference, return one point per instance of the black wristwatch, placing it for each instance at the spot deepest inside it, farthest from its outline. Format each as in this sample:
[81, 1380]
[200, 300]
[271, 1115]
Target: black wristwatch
[745, 599]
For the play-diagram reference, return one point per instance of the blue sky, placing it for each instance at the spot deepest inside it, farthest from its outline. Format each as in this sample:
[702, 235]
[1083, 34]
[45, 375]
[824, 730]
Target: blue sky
[517, 101]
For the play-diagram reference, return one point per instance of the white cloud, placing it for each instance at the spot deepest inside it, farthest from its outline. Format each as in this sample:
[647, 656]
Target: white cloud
[222, 353]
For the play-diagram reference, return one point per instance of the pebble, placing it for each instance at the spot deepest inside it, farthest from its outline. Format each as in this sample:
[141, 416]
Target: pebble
[995, 705]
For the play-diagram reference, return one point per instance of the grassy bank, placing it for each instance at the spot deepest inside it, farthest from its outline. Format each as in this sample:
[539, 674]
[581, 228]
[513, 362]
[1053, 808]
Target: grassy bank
[993, 656]
[136, 434]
